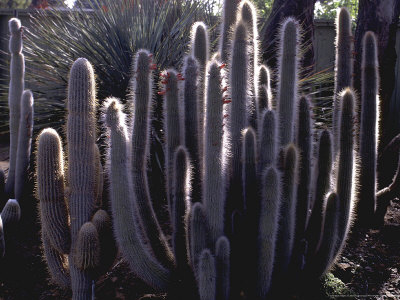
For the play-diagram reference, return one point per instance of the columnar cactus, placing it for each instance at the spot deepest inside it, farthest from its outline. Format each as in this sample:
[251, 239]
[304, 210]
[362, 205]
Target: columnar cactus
[287, 85]
[343, 68]
[74, 234]
[368, 130]
[228, 20]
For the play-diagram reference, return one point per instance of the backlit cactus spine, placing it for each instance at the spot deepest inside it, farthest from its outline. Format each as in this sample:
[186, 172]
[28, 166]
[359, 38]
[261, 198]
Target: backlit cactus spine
[74, 234]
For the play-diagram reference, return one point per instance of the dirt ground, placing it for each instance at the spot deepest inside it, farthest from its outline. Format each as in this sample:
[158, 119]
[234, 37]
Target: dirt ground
[369, 265]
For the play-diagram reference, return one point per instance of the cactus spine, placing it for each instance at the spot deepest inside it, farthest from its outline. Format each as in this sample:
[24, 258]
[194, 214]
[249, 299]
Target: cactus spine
[287, 85]
[343, 68]
[368, 132]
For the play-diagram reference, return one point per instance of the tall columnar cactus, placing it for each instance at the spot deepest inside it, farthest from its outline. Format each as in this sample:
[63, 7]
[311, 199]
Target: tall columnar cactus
[228, 20]
[79, 239]
[213, 181]
[248, 15]
[264, 95]
[368, 132]
[268, 140]
[343, 68]
[200, 51]
[287, 84]
[142, 87]
[17, 71]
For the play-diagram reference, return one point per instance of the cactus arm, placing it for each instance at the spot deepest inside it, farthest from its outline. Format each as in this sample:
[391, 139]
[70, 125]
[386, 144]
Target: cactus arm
[222, 265]
[140, 149]
[368, 132]
[87, 249]
[17, 71]
[269, 218]
[346, 174]
[207, 276]
[11, 213]
[228, 20]
[24, 143]
[287, 85]
[268, 140]
[50, 190]
[213, 181]
[180, 204]
[343, 68]
[125, 227]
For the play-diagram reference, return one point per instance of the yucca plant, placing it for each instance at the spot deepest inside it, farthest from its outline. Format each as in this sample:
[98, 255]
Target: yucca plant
[107, 34]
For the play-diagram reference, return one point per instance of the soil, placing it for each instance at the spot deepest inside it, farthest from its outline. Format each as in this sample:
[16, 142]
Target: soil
[369, 265]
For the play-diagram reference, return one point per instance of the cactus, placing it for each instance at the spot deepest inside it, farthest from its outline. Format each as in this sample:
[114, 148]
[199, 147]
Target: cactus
[140, 139]
[207, 276]
[228, 20]
[268, 137]
[287, 85]
[343, 68]
[60, 238]
[368, 132]
[264, 96]
[222, 265]
[213, 181]
[17, 71]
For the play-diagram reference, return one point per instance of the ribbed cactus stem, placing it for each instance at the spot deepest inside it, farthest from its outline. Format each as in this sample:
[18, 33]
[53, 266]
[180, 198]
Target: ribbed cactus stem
[345, 174]
[287, 84]
[213, 181]
[87, 250]
[239, 85]
[323, 259]
[304, 140]
[268, 140]
[343, 68]
[11, 213]
[264, 90]
[287, 219]
[142, 86]
[267, 233]
[81, 138]
[173, 126]
[126, 228]
[207, 276]
[99, 178]
[50, 188]
[321, 186]
[200, 44]
[222, 264]
[228, 20]
[197, 234]
[368, 133]
[17, 71]
[180, 205]
[193, 109]
[56, 263]
[247, 13]
[24, 143]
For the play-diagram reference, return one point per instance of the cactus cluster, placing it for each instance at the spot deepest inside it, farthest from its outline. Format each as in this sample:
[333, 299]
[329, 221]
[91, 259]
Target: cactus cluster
[254, 200]
[264, 194]
[73, 223]
[20, 104]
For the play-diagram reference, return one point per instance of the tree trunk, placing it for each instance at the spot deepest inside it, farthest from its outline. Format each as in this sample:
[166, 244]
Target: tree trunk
[302, 10]
[382, 18]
